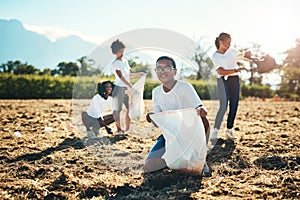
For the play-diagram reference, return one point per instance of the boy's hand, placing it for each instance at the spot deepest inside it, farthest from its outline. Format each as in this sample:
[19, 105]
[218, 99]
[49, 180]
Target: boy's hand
[148, 117]
[202, 111]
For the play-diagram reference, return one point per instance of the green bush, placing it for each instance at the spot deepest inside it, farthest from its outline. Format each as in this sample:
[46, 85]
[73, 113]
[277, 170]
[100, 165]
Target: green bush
[261, 91]
[205, 90]
[66, 87]
[35, 87]
[149, 86]
[47, 87]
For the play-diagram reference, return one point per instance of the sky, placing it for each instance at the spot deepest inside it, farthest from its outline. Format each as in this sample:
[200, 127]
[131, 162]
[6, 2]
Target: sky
[273, 24]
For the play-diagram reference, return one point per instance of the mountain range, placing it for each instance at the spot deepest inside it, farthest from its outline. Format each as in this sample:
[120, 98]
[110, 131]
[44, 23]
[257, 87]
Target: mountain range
[17, 43]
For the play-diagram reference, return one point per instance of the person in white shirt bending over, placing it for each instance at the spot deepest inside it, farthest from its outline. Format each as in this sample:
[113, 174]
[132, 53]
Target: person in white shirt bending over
[228, 83]
[172, 95]
[93, 118]
[122, 74]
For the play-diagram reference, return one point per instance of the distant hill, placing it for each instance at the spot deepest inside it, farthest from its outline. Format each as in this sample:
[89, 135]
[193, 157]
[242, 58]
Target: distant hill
[17, 43]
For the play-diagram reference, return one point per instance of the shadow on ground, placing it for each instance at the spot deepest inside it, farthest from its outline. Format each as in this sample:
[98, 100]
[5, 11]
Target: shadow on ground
[75, 143]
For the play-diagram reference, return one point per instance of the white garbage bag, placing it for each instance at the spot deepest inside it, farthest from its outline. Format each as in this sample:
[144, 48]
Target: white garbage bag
[136, 104]
[184, 133]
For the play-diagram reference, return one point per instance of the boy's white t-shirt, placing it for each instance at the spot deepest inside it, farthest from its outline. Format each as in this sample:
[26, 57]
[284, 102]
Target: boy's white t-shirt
[124, 67]
[228, 60]
[98, 105]
[181, 96]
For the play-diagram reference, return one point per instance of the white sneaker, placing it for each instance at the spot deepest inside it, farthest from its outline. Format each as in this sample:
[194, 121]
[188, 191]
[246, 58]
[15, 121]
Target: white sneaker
[230, 134]
[90, 134]
[120, 132]
[214, 135]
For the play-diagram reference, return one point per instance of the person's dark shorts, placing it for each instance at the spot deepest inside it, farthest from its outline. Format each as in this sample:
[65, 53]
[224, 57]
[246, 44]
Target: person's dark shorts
[158, 150]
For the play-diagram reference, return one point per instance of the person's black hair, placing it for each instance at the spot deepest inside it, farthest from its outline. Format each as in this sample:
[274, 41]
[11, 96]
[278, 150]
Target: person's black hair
[221, 37]
[101, 88]
[116, 46]
[167, 58]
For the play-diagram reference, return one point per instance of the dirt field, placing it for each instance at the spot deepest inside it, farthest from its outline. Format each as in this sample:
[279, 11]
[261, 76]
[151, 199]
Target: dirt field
[263, 163]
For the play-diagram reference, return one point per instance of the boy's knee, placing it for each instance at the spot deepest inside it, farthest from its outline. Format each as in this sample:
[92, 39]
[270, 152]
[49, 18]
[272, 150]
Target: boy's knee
[147, 166]
[153, 164]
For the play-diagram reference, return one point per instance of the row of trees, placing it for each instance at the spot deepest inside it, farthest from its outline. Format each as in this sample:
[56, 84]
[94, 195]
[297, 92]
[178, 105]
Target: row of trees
[83, 67]
[290, 85]
[66, 87]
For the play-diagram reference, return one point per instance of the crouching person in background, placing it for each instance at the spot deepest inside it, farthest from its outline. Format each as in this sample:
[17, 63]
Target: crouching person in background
[93, 118]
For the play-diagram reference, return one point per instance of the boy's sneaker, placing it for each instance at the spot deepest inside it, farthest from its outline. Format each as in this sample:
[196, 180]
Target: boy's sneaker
[230, 135]
[90, 134]
[206, 171]
[214, 135]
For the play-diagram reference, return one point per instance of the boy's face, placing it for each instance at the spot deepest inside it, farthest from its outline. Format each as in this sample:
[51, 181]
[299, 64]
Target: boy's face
[165, 71]
[120, 53]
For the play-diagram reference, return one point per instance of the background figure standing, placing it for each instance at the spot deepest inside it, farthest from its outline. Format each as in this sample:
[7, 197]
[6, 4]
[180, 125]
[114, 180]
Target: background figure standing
[122, 74]
[93, 118]
[228, 83]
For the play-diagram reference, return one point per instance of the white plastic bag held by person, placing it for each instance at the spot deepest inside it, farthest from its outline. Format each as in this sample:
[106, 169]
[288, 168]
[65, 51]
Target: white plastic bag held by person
[136, 104]
[184, 133]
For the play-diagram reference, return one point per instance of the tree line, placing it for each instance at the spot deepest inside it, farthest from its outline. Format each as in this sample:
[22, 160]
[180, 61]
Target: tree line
[289, 69]
[83, 67]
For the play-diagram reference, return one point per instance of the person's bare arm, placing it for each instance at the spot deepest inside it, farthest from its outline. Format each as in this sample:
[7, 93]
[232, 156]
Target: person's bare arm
[137, 74]
[119, 73]
[226, 72]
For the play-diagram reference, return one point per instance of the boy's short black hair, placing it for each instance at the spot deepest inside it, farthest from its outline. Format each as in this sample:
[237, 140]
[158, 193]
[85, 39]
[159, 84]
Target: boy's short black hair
[167, 58]
[116, 46]
[101, 88]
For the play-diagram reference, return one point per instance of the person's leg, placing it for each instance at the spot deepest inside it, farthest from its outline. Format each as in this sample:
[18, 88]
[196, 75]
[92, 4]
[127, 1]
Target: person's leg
[116, 115]
[221, 90]
[95, 125]
[153, 164]
[127, 117]
[127, 120]
[85, 120]
[154, 161]
[234, 96]
[118, 96]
